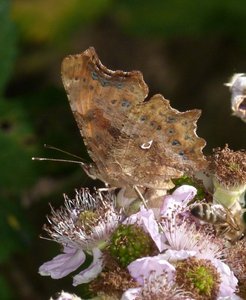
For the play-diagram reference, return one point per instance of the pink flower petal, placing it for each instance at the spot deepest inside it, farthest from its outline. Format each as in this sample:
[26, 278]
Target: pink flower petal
[131, 294]
[142, 268]
[179, 198]
[228, 280]
[146, 219]
[63, 264]
[175, 255]
[92, 271]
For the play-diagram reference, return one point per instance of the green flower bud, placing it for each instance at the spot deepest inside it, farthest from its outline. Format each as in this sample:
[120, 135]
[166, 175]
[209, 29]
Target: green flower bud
[128, 243]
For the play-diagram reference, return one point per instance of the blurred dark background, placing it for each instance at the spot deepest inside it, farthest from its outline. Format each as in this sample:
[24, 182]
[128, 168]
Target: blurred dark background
[186, 51]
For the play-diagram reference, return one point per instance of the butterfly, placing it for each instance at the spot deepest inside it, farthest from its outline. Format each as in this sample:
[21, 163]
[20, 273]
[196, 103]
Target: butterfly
[132, 141]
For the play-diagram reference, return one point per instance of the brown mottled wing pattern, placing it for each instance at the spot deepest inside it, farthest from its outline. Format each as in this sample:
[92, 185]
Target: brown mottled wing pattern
[131, 141]
[100, 100]
[165, 141]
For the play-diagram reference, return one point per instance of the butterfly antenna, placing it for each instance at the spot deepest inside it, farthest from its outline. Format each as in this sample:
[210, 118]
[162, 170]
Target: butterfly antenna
[62, 151]
[59, 160]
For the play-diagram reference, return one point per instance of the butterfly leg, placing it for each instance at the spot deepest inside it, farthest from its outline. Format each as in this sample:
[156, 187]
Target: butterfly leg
[140, 196]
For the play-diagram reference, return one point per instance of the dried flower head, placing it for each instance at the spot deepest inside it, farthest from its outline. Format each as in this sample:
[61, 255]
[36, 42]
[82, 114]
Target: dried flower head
[235, 258]
[113, 280]
[229, 170]
[229, 167]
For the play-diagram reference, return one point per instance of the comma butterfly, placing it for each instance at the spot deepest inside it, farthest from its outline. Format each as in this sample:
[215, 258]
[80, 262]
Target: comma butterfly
[132, 141]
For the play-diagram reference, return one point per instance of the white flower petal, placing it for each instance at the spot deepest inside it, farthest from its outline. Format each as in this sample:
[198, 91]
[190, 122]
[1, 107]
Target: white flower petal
[66, 296]
[184, 193]
[131, 294]
[142, 268]
[228, 280]
[92, 271]
[179, 198]
[63, 264]
[175, 255]
[146, 219]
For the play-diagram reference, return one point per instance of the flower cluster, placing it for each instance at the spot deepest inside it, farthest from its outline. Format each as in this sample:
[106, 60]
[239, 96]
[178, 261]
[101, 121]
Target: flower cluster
[154, 253]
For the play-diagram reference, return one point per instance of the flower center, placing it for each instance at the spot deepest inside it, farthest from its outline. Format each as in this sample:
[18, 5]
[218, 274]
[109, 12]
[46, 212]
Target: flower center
[87, 219]
[130, 242]
[198, 276]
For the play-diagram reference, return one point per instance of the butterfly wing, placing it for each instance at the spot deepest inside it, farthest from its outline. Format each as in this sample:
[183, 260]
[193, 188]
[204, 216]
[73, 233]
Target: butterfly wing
[159, 143]
[100, 100]
[131, 141]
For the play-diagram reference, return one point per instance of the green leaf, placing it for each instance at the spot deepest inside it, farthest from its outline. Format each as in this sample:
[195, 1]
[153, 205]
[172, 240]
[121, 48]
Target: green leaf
[17, 144]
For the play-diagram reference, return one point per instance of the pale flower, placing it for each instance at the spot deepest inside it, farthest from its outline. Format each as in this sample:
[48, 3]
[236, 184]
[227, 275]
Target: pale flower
[237, 86]
[145, 218]
[184, 235]
[156, 278]
[65, 296]
[83, 226]
[228, 283]
[153, 273]
[177, 200]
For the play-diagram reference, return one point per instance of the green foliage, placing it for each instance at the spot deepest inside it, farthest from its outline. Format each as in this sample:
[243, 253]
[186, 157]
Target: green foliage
[17, 145]
[201, 193]
[15, 231]
[180, 18]
[36, 25]
[8, 44]
[5, 289]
